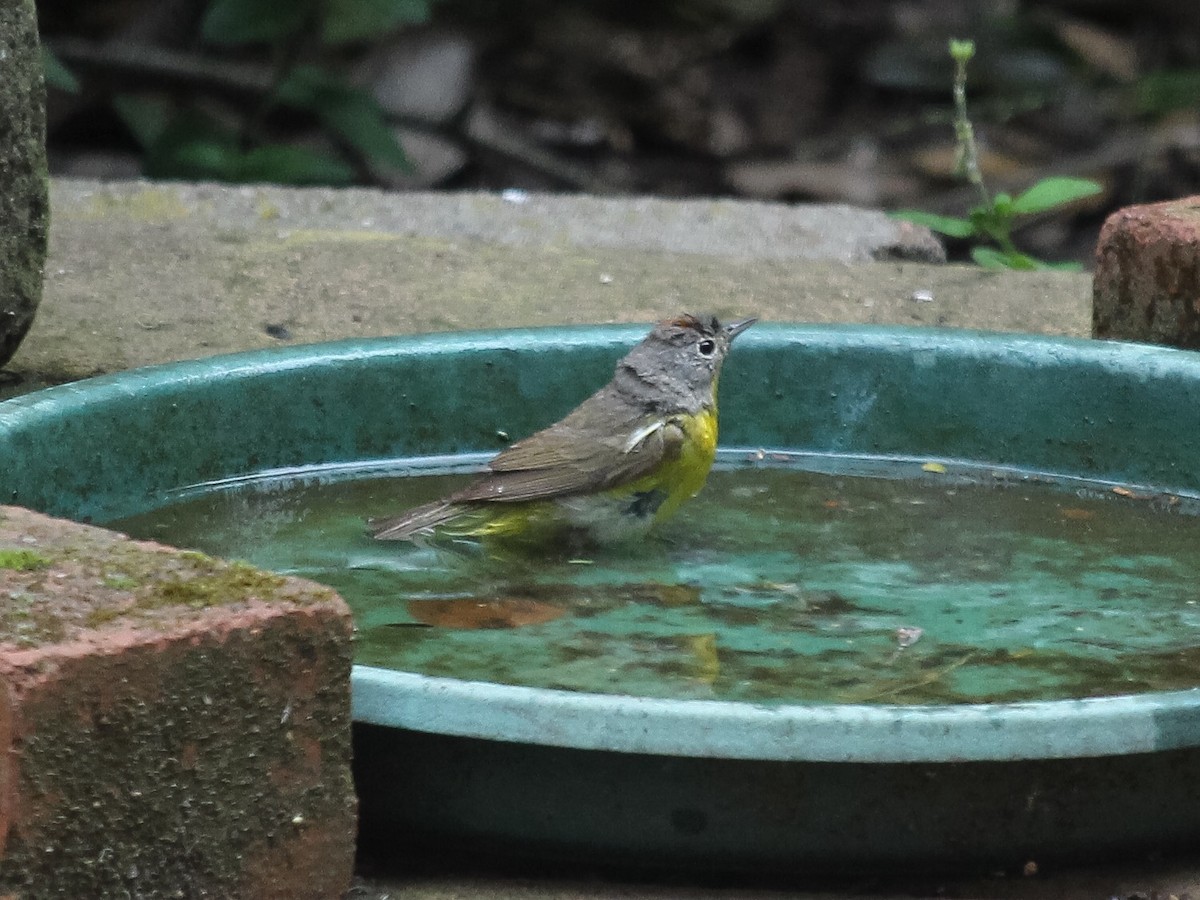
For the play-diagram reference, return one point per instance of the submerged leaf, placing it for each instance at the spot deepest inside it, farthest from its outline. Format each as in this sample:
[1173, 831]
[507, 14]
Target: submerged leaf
[706, 660]
[474, 613]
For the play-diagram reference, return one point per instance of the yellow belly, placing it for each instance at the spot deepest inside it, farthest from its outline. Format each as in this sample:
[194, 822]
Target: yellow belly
[681, 478]
[608, 516]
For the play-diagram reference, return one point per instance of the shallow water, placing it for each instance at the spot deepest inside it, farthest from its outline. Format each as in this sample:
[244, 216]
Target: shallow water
[789, 578]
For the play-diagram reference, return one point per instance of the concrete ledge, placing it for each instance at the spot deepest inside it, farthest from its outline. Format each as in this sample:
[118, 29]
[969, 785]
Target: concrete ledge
[142, 273]
[1147, 285]
[170, 725]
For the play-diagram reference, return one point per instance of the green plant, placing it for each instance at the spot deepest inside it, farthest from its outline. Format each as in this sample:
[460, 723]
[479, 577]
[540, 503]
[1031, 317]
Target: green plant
[202, 138]
[56, 74]
[1166, 91]
[994, 217]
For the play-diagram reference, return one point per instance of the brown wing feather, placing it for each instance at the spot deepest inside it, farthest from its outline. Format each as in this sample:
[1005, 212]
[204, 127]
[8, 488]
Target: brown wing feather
[413, 521]
[574, 439]
[566, 458]
[556, 463]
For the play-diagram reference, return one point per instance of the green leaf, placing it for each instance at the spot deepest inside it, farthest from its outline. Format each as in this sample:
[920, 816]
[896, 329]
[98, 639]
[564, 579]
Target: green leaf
[56, 74]
[1051, 192]
[1162, 92]
[991, 258]
[992, 223]
[357, 20]
[250, 21]
[202, 159]
[948, 225]
[285, 164]
[146, 119]
[349, 112]
[195, 147]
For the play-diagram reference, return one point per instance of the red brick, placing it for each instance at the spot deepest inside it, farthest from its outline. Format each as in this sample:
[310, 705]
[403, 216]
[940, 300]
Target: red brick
[1147, 282]
[171, 725]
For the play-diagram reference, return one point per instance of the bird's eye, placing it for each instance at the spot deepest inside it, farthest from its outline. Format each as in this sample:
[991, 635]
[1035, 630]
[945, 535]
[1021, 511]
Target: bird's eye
[707, 347]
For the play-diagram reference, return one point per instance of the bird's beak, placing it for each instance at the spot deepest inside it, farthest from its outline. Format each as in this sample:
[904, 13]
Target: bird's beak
[733, 329]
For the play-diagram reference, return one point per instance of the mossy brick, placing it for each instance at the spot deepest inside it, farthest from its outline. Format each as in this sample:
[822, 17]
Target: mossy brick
[171, 725]
[1147, 282]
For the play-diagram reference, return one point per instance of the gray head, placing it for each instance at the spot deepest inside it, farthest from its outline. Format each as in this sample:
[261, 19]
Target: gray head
[681, 358]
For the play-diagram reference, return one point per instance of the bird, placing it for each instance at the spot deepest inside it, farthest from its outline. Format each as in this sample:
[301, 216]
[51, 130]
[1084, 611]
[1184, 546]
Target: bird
[623, 460]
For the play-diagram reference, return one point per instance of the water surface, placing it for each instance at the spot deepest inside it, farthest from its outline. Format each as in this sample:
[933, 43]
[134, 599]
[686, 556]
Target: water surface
[791, 578]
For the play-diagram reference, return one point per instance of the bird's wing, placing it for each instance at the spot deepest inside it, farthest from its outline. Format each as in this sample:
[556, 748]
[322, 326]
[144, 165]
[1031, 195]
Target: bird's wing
[561, 461]
[412, 522]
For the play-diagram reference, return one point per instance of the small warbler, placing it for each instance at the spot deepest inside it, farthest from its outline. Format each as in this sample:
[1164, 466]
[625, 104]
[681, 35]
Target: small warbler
[625, 458]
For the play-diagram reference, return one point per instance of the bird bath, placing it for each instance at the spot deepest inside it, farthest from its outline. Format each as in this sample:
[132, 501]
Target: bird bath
[920, 751]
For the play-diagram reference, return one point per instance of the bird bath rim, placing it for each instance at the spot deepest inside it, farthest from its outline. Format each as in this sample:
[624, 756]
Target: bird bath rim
[856, 733]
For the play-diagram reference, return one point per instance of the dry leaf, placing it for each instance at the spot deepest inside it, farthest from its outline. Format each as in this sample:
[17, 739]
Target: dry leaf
[1103, 50]
[473, 613]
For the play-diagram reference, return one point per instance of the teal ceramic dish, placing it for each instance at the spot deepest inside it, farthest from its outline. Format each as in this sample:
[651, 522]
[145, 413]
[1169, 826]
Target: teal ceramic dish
[713, 784]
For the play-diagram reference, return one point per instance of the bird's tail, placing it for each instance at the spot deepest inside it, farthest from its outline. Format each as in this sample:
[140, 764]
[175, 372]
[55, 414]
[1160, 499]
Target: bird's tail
[420, 520]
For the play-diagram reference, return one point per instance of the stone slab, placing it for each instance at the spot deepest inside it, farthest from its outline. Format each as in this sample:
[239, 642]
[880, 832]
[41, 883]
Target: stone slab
[23, 178]
[1147, 283]
[142, 273]
[170, 725]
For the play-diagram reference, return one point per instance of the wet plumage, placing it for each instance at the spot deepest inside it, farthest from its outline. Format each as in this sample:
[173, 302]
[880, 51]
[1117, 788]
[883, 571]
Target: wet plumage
[626, 457]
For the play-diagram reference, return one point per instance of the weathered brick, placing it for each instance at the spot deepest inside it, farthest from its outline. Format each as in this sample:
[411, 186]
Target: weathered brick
[1147, 282]
[171, 725]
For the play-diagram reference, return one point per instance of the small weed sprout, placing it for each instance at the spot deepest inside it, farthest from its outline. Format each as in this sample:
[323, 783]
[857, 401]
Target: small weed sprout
[991, 221]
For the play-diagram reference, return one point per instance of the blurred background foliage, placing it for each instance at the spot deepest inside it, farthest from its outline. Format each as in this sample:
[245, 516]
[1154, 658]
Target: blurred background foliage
[768, 99]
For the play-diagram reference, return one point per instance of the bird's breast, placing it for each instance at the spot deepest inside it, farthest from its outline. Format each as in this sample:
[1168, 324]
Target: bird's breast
[679, 478]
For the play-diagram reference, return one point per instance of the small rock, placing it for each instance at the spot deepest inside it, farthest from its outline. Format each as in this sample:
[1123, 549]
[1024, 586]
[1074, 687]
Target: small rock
[424, 75]
[849, 181]
[913, 243]
[24, 209]
[434, 158]
[99, 164]
[728, 133]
